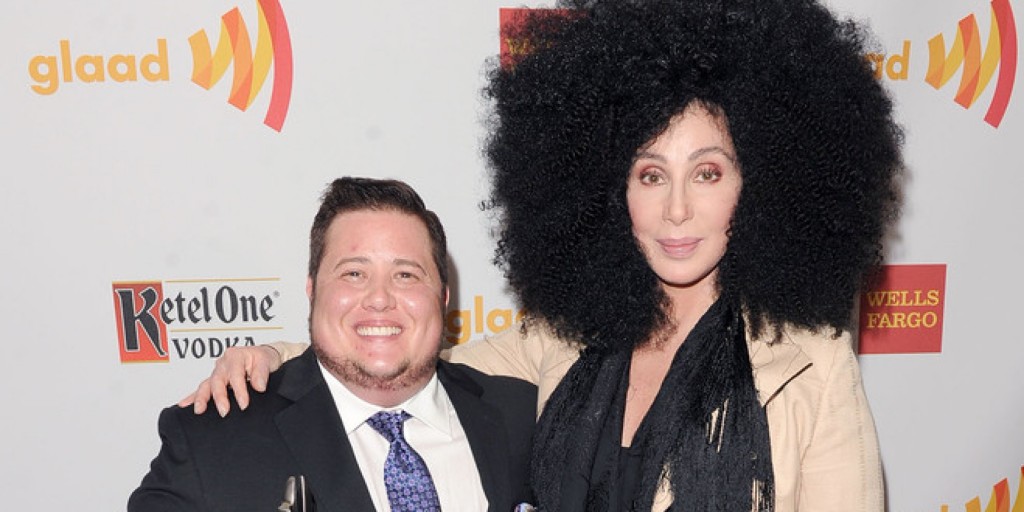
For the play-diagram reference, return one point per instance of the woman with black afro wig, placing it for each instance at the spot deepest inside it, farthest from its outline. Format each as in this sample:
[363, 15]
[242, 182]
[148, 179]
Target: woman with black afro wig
[689, 196]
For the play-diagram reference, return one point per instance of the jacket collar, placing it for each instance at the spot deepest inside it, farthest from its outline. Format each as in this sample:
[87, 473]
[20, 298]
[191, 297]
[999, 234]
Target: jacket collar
[775, 364]
[484, 430]
[314, 433]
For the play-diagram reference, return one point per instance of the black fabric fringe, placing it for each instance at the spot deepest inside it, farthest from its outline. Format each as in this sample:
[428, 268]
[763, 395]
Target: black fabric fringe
[707, 434]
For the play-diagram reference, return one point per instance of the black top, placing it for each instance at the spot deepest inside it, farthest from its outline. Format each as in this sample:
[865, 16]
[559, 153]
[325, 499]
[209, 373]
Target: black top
[617, 468]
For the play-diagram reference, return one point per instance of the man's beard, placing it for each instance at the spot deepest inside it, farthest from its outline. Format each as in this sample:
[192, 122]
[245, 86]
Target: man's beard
[351, 372]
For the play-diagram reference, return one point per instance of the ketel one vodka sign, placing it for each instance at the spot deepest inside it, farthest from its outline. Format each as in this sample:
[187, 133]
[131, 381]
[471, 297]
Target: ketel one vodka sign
[191, 318]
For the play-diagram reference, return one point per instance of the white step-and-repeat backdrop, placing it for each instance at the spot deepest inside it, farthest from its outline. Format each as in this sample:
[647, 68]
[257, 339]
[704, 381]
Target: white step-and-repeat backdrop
[162, 162]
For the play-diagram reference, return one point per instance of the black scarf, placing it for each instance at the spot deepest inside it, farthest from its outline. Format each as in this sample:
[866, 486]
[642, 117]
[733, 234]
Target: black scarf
[714, 461]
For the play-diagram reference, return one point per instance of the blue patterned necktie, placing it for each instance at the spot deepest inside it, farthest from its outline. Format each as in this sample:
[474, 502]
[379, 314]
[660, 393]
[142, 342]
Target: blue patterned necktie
[406, 476]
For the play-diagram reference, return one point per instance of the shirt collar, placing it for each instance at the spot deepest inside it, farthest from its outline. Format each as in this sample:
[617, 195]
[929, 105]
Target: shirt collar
[430, 405]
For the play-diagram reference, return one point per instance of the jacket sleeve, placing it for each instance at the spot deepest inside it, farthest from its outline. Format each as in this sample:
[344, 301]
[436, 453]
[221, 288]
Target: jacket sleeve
[841, 467]
[288, 350]
[507, 353]
[537, 356]
[172, 483]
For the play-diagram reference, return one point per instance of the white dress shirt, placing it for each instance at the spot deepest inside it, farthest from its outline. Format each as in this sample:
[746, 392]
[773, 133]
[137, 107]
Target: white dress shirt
[433, 431]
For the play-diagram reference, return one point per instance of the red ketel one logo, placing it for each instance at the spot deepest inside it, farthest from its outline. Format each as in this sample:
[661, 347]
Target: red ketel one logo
[202, 317]
[141, 333]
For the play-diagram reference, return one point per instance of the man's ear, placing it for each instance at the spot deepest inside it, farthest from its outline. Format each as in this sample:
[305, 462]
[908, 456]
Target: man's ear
[309, 289]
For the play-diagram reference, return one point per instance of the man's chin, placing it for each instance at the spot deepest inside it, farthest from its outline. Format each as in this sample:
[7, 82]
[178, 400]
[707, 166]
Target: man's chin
[379, 379]
[404, 375]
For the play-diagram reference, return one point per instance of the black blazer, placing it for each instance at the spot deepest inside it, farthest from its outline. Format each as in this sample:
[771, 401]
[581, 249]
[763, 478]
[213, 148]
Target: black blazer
[241, 462]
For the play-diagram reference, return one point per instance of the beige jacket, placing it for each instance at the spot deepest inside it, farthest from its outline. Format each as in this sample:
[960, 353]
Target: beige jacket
[824, 446]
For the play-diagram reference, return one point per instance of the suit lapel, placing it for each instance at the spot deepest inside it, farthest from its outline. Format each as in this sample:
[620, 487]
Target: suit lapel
[485, 433]
[316, 437]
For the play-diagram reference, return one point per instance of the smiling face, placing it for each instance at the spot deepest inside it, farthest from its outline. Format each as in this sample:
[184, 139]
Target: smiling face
[682, 190]
[376, 305]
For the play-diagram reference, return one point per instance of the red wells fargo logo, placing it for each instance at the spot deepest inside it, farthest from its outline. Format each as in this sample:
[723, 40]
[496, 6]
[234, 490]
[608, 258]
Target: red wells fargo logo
[901, 312]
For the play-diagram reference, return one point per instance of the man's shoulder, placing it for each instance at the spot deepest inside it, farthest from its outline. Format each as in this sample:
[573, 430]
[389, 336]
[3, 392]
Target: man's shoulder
[509, 396]
[294, 378]
[467, 375]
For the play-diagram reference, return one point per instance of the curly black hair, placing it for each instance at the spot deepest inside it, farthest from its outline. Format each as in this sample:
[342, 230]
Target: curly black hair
[814, 133]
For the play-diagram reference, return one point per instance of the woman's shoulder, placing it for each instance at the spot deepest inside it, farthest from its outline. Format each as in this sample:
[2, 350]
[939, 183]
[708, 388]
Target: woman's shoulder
[818, 345]
[814, 355]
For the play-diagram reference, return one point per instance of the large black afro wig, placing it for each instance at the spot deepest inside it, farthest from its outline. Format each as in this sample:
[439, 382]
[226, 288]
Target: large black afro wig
[814, 133]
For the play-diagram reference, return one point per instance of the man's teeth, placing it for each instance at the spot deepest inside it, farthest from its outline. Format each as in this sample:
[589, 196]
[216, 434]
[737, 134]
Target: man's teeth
[379, 331]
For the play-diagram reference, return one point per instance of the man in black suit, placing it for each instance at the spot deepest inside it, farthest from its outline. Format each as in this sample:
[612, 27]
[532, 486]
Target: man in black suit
[378, 289]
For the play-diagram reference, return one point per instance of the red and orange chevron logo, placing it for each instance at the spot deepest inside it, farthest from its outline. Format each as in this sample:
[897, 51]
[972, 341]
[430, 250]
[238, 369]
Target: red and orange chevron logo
[273, 47]
[978, 68]
[1000, 500]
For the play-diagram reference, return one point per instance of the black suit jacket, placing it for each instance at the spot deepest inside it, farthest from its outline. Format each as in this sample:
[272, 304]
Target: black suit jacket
[241, 462]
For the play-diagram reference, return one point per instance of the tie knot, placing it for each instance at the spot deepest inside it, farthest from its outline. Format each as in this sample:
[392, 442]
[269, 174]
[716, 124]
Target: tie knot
[389, 424]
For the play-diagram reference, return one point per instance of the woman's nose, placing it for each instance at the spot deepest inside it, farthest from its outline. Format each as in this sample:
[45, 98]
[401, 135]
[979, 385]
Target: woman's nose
[677, 205]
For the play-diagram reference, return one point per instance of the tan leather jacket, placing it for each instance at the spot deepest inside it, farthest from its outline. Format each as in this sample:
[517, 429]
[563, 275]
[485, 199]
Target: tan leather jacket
[824, 446]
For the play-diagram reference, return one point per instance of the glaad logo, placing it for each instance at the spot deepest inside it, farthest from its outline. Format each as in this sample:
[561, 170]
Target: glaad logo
[251, 68]
[48, 71]
[978, 68]
[203, 316]
[1000, 500]
[461, 324]
[273, 47]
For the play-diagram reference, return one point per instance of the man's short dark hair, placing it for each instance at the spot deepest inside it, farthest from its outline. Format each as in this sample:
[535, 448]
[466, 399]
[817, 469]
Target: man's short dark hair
[349, 194]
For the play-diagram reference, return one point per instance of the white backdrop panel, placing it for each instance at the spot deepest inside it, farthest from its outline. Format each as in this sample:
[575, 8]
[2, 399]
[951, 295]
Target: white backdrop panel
[163, 181]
